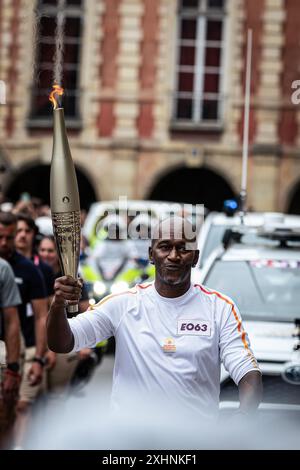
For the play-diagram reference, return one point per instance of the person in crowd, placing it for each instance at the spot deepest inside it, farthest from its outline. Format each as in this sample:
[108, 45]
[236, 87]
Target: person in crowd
[32, 314]
[10, 330]
[26, 243]
[32, 206]
[61, 367]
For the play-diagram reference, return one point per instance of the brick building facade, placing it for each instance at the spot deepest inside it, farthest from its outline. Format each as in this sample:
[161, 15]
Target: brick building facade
[159, 99]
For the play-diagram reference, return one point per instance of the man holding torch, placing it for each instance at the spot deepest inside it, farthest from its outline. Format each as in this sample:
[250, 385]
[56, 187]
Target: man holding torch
[171, 336]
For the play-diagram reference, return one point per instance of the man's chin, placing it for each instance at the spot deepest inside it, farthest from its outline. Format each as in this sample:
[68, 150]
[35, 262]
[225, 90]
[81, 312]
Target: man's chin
[172, 281]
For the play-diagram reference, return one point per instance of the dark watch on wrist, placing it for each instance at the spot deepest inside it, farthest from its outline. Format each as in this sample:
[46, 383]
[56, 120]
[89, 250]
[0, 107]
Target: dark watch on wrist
[40, 360]
[13, 366]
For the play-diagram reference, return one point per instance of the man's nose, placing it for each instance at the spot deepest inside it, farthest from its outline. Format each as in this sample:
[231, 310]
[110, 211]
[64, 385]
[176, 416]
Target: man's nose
[173, 254]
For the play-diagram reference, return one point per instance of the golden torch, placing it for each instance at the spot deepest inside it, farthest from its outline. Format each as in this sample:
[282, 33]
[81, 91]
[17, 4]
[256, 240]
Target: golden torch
[64, 196]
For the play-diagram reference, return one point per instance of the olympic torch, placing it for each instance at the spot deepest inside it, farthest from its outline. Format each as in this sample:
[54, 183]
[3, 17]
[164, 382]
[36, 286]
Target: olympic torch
[64, 196]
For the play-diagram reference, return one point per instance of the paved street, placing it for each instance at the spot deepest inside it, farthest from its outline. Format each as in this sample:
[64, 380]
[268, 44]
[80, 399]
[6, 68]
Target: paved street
[101, 380]
[61, 420]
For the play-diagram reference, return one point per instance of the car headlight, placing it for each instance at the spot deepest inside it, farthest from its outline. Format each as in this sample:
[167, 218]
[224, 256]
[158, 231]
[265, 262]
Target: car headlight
[291, 373]
[119, 286]
[99, 288]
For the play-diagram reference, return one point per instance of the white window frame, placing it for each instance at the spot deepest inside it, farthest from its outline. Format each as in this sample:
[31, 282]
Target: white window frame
[201, 17]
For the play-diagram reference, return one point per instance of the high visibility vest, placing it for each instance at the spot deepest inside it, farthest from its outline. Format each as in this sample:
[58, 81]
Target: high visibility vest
[97, 237]
[132, 274]
[89, 274]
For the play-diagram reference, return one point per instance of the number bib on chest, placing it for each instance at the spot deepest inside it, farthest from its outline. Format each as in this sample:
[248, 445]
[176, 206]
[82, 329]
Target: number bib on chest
[193, 327]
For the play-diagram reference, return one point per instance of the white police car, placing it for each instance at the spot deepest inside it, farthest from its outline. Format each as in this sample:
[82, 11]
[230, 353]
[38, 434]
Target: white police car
[216, 223]
[260, 271]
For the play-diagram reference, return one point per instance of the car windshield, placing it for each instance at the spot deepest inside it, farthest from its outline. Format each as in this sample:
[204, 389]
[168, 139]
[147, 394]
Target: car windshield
[266, 289]
[213, 240]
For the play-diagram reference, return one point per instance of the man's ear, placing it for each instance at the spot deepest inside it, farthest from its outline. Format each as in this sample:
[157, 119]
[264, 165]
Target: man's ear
[196, 257]
[150, 255]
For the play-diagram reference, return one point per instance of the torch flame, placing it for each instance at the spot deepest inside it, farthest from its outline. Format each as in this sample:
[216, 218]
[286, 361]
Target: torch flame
[57, 90]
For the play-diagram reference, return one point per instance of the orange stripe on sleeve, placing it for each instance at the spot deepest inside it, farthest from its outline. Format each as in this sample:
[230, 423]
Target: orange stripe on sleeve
[145, 286]
[239, 323]
[108, 297]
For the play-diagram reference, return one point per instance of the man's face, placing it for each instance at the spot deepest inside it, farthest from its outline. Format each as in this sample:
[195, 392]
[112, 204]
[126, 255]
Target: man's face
[172, 260]
[24, 236]
[7, 240]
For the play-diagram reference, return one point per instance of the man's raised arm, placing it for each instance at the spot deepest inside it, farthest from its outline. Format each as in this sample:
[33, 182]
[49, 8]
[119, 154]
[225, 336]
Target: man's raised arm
[59, 335]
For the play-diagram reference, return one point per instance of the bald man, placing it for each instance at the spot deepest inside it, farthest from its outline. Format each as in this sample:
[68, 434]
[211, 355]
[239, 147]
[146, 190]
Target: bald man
[171, 336]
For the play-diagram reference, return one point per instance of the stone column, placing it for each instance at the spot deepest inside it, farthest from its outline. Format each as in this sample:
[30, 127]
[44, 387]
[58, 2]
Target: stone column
[233, 65]
[123, 176]
[24, 65]
[90, 84]
[165, 74]
[5, 41]
[128, 63]
[269, 91]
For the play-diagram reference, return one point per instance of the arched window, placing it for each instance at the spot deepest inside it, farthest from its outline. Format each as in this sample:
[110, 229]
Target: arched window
[199, 67]
[40, 113]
